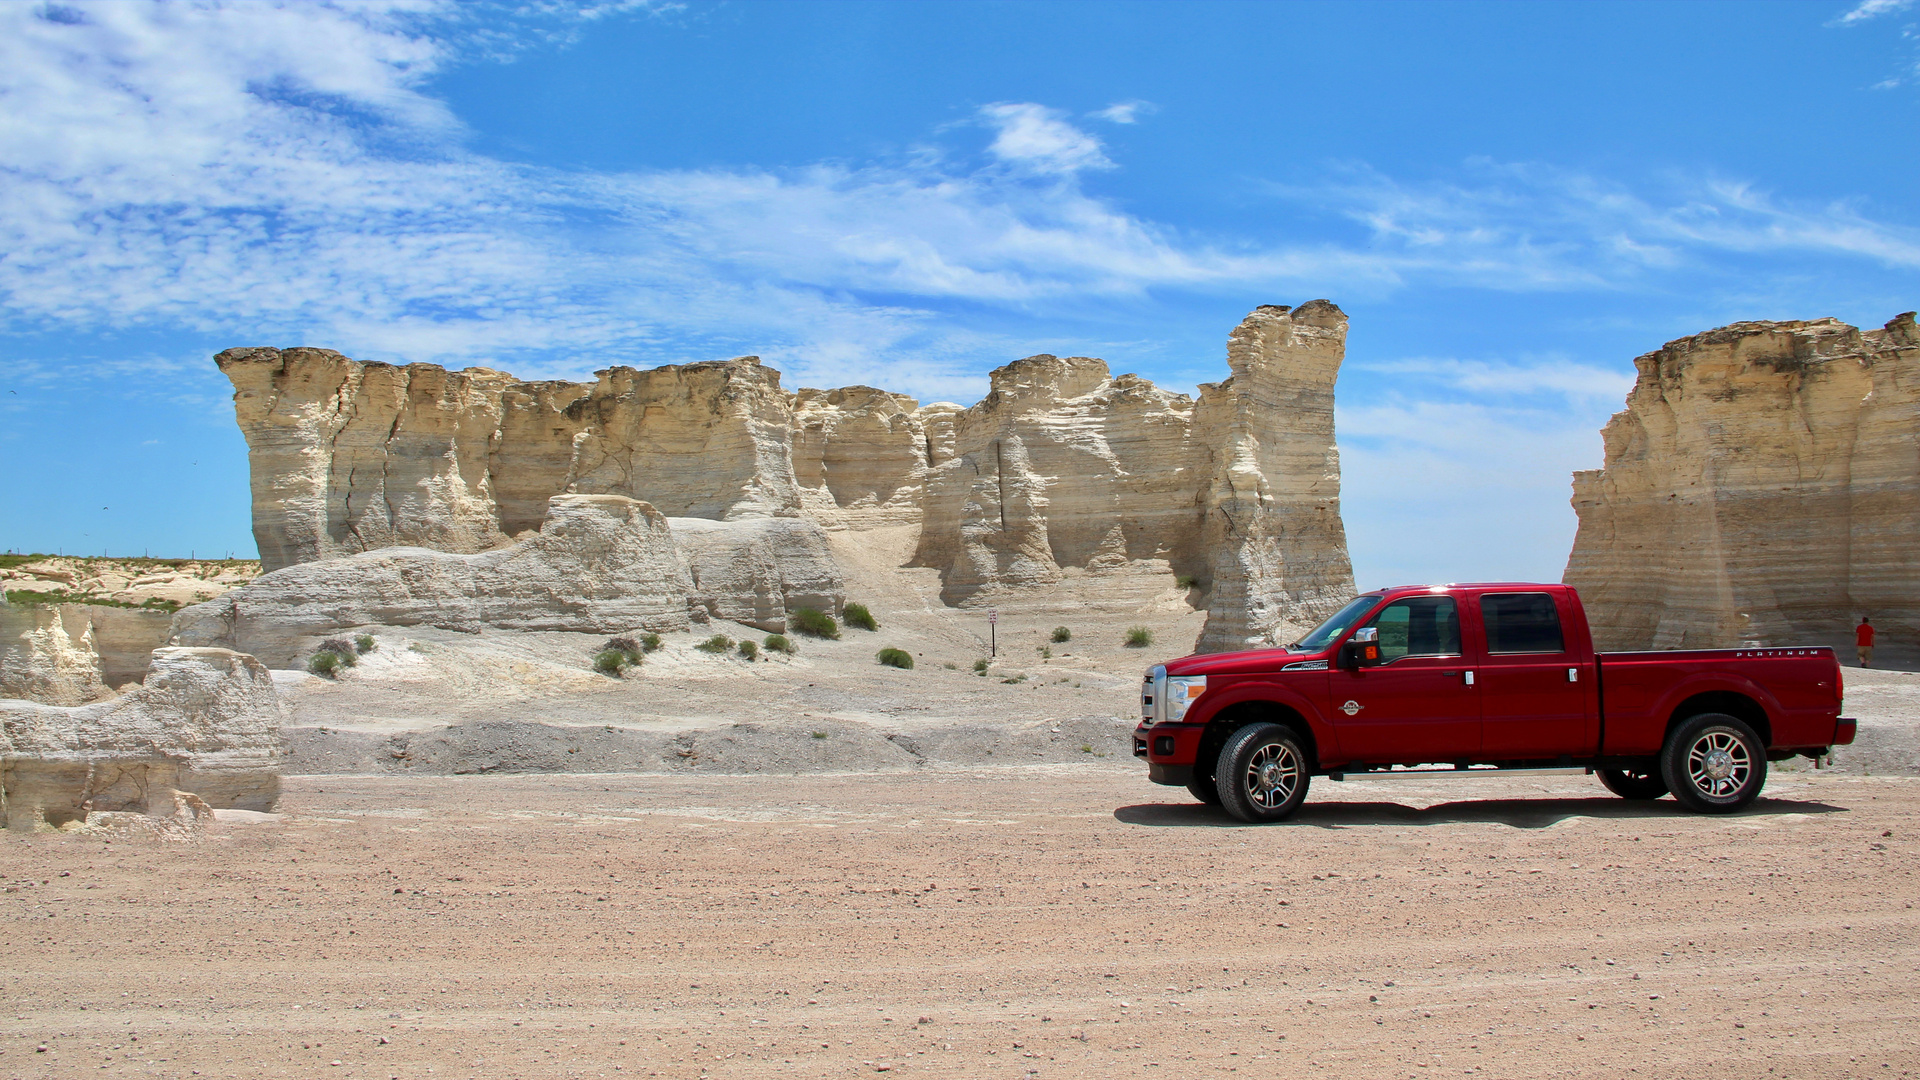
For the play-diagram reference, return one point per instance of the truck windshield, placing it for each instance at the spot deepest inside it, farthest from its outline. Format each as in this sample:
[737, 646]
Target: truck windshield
[1324, 634]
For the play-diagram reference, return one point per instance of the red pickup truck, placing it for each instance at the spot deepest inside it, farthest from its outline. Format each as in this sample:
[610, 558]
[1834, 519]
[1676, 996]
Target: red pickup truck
[1480, 679]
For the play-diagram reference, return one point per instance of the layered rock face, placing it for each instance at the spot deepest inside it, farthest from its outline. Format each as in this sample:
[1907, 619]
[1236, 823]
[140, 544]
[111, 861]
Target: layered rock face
[44, 659]
[205, 724]
[1763, 485]
[599, 564]
[1061, 468]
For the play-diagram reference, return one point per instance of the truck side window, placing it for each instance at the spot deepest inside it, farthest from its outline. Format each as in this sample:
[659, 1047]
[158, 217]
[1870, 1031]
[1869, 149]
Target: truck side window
[1521, 623]
[1418, 626]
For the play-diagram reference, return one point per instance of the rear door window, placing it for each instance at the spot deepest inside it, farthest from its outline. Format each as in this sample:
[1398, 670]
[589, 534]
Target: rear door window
[1418, 626]
[1521, 623]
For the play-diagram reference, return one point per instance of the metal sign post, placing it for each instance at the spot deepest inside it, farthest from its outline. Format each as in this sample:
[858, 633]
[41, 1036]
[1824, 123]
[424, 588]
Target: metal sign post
[993, 633]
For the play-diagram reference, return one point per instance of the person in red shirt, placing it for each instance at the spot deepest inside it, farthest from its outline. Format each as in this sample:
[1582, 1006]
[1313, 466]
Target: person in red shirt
[1863, 640]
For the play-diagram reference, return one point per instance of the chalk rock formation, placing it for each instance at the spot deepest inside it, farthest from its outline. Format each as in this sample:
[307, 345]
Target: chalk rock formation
[601, 563]
[756, 570]
[1061, 468]
[1273, 536]
[44, 659]
[1763, 485]
[207, 721]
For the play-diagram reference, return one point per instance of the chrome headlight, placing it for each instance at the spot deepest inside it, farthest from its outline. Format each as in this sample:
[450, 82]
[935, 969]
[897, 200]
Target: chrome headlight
[1182, 691]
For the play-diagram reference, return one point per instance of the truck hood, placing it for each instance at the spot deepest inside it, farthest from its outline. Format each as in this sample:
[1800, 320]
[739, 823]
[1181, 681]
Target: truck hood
[1250, 661]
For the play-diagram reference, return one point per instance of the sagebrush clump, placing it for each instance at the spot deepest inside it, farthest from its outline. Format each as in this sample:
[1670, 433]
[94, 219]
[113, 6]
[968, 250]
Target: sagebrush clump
[778, 643]
[1139, 637]
[718, 643]
[749, 650]
[649, 641]
[813, 623]
[1060, 634]
[858, 615]
[892, 657]
[627, 647]
[365, 643]
[611, 662]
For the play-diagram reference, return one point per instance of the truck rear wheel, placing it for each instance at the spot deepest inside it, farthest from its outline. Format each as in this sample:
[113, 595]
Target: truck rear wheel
[1714, 763]
[1634, 783]
[1262, 774]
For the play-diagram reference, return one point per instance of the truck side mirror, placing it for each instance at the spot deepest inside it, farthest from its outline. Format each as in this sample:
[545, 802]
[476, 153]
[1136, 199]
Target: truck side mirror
[1362, 650]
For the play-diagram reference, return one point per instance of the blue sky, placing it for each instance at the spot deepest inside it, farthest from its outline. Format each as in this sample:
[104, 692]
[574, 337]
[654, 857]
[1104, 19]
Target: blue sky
[1511, 201]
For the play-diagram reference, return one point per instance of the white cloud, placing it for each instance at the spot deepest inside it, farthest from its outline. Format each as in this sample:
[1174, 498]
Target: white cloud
[1040, 139]
[1871, 9]
[275, 172]
[1124, 112]
[1555, 375]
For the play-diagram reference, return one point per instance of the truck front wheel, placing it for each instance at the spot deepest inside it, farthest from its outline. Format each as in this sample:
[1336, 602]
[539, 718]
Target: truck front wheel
[1714, 763]
[1262, 774]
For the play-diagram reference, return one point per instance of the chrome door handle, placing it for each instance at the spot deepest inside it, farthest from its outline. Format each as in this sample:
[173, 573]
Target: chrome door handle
[1469, 678]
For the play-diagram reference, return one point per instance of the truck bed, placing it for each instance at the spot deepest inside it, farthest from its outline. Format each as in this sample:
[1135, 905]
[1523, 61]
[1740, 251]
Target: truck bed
[1799, 688]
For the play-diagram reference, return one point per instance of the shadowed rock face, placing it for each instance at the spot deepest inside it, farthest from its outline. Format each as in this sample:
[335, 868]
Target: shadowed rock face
[1763, 485]
[207, 721]
[1061, 467]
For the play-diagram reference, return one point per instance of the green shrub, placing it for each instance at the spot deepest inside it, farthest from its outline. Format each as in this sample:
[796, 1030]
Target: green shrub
[892, 657]
[778, 643]
[1139, 637]
[813, 623]
[1060, 634]
[627, 647]
[1046, 652]
[611, 662]
[342, 648]
[1020, 678]
[1186, 581]
[749, 650]
[858, 615]
[819, 734]
[325, 662]
[365, 643]
[718, 643]
[649, 642]
[981, 665]
[951, 666]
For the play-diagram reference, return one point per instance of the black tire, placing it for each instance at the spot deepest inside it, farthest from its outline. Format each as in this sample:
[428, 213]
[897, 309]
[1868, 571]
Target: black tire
[1635, 783]
[1263, 773]
[1714, 763]
[1203, 788]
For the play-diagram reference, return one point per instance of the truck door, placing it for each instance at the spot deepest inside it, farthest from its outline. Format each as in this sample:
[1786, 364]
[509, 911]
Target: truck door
[1417, 705]
[1534, 688]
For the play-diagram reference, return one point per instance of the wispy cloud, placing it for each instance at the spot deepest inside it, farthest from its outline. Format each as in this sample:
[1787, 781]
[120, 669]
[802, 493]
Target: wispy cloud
[278, 173]
[1124, 112]
[1871, 9]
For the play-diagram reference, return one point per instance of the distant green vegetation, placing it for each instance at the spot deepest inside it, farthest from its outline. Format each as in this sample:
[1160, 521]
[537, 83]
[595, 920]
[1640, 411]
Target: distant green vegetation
[778, 643]
[333, 655]
[858, 615]
[1061, 634]
[61, 596]
[813, 623]
[981, 665]
[365, 643]
[8, 562]
[611, 662]
[749, 650]
[1139, 637]
[718, 643]
[892, 657]
[1186, 581]
[650, 641]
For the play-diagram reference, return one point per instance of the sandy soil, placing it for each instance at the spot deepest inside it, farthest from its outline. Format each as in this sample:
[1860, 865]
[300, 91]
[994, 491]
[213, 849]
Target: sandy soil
[1036, 921]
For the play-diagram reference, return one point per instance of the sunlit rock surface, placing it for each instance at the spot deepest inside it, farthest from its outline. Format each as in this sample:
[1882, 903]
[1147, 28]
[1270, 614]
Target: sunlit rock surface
[1762, 486]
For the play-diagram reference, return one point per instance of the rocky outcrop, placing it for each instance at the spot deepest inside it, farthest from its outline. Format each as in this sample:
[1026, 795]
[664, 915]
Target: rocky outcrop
[1763, 485]
[46, 659]
[1272, 534]
[600, 564]
[1061, 468]
[204, 728]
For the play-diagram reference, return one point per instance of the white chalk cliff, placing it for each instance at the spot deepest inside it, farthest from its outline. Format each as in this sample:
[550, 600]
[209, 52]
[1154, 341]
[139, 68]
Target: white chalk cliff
[1062, 467]
[1762, 485]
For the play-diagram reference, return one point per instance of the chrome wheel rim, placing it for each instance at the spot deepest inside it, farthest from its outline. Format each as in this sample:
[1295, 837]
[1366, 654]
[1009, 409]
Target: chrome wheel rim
[1273, 774]
[1718, 763]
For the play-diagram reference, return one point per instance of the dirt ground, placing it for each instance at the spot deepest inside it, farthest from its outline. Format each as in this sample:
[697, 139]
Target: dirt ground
[1053, 920]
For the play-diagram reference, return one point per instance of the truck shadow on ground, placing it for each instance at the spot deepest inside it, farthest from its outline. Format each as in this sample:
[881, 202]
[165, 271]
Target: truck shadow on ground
[1518, 813]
